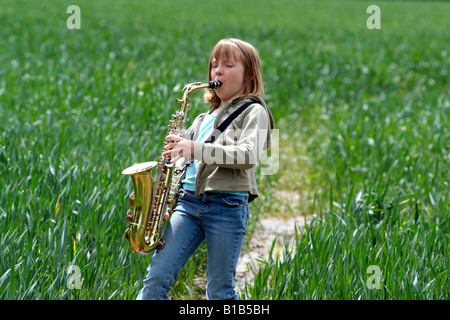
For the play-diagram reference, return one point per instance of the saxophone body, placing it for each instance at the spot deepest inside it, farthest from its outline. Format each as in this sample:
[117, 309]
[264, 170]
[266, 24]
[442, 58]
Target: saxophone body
[152, 189]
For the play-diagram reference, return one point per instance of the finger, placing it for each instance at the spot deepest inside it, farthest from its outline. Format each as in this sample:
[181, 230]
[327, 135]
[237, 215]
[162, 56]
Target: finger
[167, 153]
[166, 217]
[173, 152]
[173, 138]
[170, 146]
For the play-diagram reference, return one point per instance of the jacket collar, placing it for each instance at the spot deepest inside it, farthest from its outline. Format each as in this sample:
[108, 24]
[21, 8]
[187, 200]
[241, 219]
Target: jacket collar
[216, 104]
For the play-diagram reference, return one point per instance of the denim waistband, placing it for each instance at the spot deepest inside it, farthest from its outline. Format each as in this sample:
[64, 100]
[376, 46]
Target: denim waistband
[212, 195]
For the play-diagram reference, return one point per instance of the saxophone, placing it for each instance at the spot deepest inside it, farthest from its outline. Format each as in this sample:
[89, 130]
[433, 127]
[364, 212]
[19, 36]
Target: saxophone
[152, 194]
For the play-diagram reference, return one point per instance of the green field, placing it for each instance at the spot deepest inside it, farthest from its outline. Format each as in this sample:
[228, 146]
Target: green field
[363, 117]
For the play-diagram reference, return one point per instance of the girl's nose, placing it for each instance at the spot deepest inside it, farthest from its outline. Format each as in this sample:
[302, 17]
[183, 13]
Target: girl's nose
[219, 70]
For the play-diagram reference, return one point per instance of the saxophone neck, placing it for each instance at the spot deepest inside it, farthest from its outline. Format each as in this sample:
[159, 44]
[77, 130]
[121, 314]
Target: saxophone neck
[195, 86]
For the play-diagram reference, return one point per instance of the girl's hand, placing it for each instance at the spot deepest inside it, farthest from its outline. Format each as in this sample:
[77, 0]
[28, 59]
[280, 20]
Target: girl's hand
[178, 148]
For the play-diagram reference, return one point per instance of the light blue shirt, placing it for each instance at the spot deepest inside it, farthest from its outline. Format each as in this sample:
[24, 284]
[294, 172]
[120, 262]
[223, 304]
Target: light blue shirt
[188, 183]
[191, 171]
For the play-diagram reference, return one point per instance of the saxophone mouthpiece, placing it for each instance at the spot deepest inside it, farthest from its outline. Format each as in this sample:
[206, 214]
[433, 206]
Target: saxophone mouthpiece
[214, 84]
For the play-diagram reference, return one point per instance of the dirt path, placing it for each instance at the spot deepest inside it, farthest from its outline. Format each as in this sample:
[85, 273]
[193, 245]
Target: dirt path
[261, 242]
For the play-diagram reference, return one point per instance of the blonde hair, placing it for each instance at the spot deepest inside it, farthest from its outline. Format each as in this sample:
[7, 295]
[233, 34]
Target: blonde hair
[245, 53]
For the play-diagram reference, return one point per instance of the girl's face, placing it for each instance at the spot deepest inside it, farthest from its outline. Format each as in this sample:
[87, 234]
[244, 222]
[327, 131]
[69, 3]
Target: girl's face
[231, 73]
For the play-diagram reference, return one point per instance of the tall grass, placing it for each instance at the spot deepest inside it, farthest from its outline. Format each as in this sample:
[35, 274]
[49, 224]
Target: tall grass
[334, 256]
[360, 112]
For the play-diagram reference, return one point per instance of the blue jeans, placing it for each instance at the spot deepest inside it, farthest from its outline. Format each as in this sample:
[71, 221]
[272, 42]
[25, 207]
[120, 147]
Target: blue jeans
[220, 219]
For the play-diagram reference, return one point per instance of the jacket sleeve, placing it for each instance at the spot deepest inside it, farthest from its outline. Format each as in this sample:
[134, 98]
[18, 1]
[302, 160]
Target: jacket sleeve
[238, 148]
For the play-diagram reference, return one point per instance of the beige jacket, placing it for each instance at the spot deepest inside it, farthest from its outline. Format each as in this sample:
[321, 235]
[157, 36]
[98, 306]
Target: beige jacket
[228, 163]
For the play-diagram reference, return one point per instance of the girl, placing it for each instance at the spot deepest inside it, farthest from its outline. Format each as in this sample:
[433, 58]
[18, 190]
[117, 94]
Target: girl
[214, 191]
